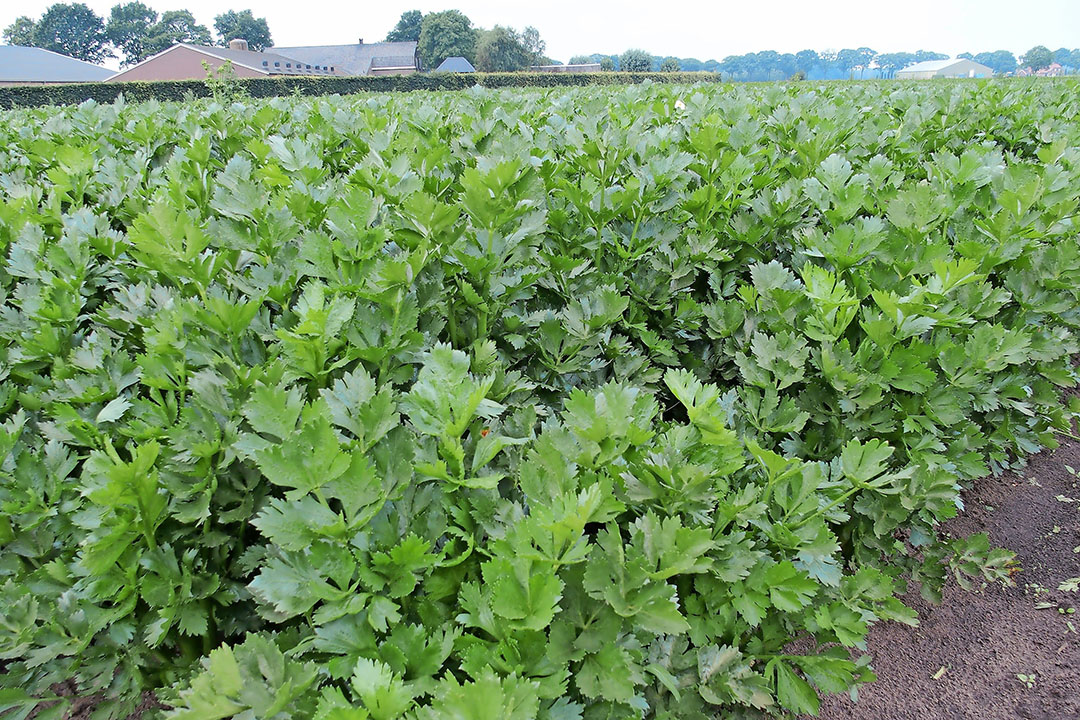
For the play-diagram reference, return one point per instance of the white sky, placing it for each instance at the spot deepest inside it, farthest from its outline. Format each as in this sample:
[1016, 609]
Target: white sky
[685, 28]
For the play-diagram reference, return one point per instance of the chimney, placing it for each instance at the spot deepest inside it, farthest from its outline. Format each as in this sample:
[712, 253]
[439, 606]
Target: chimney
[361, 41]
[238, 44]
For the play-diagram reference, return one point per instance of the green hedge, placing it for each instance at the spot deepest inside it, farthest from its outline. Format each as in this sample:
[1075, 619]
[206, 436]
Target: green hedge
[36, 95]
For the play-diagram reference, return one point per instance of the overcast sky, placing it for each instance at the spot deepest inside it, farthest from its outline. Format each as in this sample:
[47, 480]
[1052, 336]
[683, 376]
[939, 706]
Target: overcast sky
[701, 29]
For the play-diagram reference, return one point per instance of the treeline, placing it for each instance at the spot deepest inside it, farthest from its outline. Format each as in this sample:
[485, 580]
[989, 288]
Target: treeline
[860, 62]
[132, 32]
[450, 33]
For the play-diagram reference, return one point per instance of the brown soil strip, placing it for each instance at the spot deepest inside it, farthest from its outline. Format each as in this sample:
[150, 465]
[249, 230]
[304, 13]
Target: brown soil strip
[985, 640]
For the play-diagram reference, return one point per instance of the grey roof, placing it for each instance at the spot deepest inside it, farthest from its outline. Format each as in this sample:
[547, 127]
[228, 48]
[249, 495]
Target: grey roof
[352, 59]
[271, 62]
[393, 61]
[455, 64]
[938, 65]
[28, 64]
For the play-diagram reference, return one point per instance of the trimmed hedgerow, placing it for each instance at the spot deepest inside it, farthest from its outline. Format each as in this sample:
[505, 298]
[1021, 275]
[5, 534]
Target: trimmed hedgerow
[174, 90]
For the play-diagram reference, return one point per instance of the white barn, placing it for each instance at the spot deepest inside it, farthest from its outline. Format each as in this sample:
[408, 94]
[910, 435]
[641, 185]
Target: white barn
[955, 68]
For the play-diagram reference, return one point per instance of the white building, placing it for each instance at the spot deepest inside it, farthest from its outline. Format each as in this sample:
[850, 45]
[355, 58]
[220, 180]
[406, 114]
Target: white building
[956, 68]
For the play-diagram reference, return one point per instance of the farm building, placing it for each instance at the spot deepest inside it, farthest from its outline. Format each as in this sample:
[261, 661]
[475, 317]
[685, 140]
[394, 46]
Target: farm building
[957, 68]
[1053, 70]
[34, 66]
[456, 65]
[184, 61]
[383, 58]
[582, 68]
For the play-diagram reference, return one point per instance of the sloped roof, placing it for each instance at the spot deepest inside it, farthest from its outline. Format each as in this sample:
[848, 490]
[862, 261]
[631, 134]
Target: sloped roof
[395, 61]
[939, 65]
[929, 66]
[30, 64]
[352, 59]
[271, 62]
[455, 64]
[264, 62]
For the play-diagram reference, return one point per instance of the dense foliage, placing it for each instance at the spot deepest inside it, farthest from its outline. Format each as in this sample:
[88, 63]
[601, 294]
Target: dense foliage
[266, 87]
[854, 63]
[133, 29]
[137, 31]
[578, 403]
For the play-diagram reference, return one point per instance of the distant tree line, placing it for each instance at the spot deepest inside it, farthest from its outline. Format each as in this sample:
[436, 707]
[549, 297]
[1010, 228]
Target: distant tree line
[133, 31]
[860, 62]
[450, 33]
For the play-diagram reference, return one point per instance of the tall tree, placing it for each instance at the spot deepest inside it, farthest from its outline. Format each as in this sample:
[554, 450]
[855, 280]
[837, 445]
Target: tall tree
[501, 50]
[129, 29]
[243, 25]
[407, 28]
[805, 60]
[20, 32]
[1038, 57]
[179, 26]
[858, 60]
[72, 29]
[924, 55]
[444, 34]
[635, 60]
[1069, 58]
[891, 62]
[1000, 61]
[534, 45]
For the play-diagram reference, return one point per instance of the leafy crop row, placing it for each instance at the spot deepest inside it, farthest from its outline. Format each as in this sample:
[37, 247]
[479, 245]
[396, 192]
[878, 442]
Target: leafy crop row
[635, 402]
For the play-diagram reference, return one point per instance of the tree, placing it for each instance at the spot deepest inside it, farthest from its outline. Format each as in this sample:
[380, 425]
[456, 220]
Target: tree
[580, 60]
[852, 60]
[1038, 57]
[129, 29]
[965, 56]
[534, 46]
[806, 60]
[635, 61]
[444, 34]
[243, 25]
[607, 64]
[670, 64]
[924, 55]
[501, 50]
[891, 62]
[1070, 59]
[20, 32]
[1001, 62]
[407, 28]
[177, 26]
[74, 30]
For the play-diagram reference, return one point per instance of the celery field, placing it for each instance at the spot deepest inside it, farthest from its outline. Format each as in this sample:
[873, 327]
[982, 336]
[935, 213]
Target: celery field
[581, 403]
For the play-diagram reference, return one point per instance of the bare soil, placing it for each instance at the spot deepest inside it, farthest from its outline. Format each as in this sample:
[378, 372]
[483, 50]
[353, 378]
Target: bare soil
[963, 659]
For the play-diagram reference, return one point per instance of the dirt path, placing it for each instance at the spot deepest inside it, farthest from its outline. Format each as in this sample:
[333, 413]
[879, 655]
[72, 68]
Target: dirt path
[984, 641]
